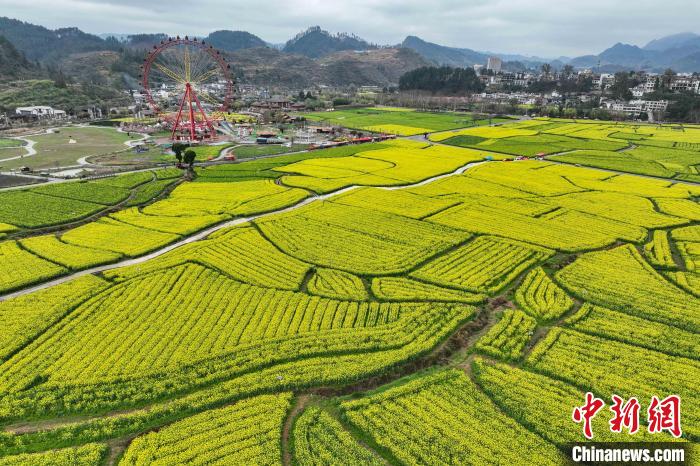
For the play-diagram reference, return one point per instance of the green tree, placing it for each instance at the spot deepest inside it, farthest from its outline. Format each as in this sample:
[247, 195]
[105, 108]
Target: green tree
[190, 157]
[341, 101]
[569, 112]
[621, 88]
[443, 80]
[178, 148]
[667, 78]
[59, 79]
[684, 107]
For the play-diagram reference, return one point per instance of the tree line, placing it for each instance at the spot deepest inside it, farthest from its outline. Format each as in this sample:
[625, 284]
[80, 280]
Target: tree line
[443, 80]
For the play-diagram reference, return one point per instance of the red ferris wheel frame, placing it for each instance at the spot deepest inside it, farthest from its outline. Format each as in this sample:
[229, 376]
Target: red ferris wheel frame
[190, 107]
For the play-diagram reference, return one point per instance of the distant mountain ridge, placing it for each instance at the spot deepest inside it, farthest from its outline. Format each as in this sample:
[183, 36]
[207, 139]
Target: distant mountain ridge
[350, 59]
[144, 41]
[673, 41]
[231, 41]
[681, 52]
[463, 57]
[313, 57]
[41, 44]
[379, 67]
[442, 55]
[316, 42]
[120, 37]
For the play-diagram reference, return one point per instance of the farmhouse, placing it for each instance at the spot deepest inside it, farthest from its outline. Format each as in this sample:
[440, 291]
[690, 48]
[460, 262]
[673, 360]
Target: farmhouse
[40, 112]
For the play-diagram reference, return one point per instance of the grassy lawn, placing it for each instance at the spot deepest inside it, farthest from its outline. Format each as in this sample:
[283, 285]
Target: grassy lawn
[152, 156]
[161, 134]
[7, 152]
[532, 145]
[257, 150]
[205, 152]
[54, 150]
[7, 142]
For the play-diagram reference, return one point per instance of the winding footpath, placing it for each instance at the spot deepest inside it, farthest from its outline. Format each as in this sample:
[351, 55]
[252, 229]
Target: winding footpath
[80, 163]
[29, 146]
[231, 223]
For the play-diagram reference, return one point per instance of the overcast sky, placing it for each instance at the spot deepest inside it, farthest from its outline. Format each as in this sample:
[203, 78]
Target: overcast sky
[534, 27]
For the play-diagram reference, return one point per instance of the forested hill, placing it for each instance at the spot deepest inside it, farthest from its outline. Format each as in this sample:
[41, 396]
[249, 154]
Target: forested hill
[315, 43]
[41, 44]
[13, 64]
[442, 80]
[231, 41]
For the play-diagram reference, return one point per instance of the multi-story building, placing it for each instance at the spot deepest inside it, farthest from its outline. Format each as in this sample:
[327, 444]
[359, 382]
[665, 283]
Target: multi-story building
[603, 81]
[685, 84]
[637, 91]
[650, 82]
[494, 64]
[523, 79]
[508, 79]
[652, 105]
[636, 107]
[647, 86]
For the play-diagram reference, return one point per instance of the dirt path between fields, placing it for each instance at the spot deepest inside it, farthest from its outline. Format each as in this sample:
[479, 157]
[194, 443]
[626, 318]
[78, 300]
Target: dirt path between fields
[241, 220]
[231, 223]
[299, 404]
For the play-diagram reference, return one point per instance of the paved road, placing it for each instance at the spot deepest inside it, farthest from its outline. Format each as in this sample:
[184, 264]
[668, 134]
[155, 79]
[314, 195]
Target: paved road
[204, 233]
[29, 147]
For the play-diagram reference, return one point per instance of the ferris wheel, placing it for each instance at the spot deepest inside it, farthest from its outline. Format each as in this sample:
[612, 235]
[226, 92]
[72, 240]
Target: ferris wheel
[186, 82]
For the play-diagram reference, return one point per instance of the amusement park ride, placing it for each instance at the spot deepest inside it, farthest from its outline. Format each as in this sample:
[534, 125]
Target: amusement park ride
[175, 75]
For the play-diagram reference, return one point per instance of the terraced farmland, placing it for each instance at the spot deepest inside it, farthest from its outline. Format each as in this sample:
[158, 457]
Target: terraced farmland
[664, 151]
[404, 122]
[394, 303]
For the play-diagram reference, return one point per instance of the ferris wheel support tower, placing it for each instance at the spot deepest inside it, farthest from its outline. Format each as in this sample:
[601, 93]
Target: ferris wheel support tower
[189, 69]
